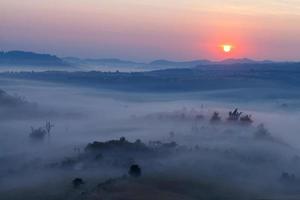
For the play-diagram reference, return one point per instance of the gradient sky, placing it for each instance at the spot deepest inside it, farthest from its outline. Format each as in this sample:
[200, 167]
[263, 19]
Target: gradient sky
[144, 30]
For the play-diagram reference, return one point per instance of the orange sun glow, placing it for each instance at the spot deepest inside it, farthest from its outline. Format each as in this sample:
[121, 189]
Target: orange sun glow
[227, 48]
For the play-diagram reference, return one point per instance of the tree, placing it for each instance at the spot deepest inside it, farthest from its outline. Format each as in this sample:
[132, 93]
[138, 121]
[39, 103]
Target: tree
[246, 119]
[77, 182]
[234, 115]
[37, 134]
[122, 139]
[48, 128]
[262, 132]
[41, 132]
[215, 118]
[287, 177]
[135, 171]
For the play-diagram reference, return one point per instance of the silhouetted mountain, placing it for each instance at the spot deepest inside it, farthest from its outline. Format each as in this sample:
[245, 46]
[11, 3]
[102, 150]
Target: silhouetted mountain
[157, 63]
[241, 61]
[109, 61]
[71, 59]
[21, 58]
[206, 63]
[118, 62]
[100, 62]
[192, 63]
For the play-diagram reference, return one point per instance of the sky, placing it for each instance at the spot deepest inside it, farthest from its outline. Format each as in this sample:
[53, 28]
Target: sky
[144, 30]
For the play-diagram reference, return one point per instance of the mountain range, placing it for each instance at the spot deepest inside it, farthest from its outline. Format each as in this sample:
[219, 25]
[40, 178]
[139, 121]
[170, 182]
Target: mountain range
[157, 63]
[22, 58]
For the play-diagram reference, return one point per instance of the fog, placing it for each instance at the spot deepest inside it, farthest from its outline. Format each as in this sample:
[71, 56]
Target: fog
[211, 160]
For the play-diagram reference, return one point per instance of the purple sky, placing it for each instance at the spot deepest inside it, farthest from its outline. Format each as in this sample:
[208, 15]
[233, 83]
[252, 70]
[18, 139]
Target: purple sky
[144, 30]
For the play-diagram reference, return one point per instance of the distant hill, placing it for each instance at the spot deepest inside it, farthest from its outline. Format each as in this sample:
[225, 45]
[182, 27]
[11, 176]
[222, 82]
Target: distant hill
[214, 77]
[241, 61]
[156, 63]
[100, 62]
[22, 58]
[7, 100]
[192, 63]
[114, 62]
[195, 63]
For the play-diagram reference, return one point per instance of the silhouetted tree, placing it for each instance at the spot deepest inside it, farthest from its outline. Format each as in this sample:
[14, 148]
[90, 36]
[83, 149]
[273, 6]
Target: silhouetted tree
[138, 141]
[287, 178]
[48, 128]
[199, 117]
[234, 115]
[246, 119]
[77, 182]
[261, 131]
[171, 134]
[38, 134]
[122, 139]
[215, 117]
[135, 171]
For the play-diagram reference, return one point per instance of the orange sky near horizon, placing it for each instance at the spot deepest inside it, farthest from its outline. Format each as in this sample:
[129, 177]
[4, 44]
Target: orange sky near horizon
[144, 30]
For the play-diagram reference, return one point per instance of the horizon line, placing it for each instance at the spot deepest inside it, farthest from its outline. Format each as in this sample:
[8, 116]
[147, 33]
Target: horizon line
[153, 60]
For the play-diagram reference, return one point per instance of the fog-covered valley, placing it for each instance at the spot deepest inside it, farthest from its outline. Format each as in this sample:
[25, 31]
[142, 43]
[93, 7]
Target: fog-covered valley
[149, 100]
[183, 148]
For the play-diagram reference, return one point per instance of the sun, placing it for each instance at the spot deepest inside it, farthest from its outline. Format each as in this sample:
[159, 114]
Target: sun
[227, 48]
